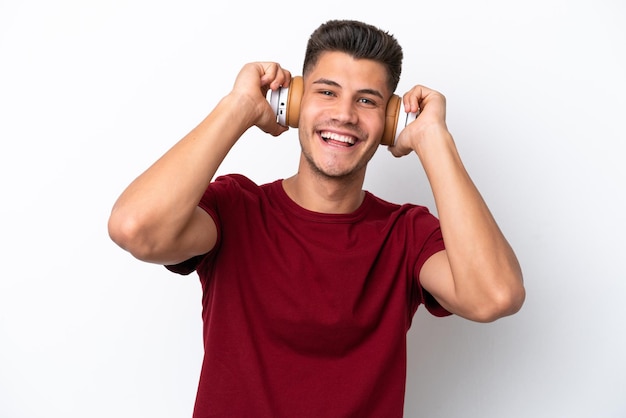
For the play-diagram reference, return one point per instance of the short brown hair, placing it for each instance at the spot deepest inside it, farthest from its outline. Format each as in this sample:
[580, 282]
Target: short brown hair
[359, 40]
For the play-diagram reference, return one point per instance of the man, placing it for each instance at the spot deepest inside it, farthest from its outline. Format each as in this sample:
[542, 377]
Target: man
[310, 283]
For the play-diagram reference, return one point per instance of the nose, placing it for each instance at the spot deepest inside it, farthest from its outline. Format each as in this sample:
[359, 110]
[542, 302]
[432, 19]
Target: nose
[345, 111]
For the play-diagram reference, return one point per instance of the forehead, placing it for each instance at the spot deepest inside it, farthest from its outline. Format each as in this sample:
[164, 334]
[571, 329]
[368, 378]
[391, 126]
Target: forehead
[347, 71]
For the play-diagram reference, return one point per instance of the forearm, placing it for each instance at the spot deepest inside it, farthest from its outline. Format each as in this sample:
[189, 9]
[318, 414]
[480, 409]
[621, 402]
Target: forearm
[158, 204]
[487, 276]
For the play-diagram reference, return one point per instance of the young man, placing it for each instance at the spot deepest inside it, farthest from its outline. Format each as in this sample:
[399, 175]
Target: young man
[310, 283]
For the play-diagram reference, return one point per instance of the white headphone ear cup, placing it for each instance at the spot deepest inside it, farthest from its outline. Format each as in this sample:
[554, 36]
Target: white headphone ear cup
[404, 119]
[278, 102]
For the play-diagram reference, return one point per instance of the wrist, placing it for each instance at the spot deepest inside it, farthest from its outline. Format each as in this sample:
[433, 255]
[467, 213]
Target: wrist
[239, 109]
[434, 142]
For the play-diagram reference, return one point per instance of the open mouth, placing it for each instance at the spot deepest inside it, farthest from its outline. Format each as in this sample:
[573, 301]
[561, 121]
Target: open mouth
[336, 139]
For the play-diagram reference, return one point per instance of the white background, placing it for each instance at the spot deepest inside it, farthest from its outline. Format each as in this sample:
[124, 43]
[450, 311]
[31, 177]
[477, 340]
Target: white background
[92, 92]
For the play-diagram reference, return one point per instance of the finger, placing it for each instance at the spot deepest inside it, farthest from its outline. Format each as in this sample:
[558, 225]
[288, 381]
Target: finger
[413, 98]
[274, 76]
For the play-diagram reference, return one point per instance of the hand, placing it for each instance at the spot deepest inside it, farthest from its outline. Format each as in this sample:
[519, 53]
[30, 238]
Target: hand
[251, 87]
[431, 106]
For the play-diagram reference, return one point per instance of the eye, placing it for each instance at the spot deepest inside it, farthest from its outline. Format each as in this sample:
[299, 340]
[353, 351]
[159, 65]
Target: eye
[367, 101]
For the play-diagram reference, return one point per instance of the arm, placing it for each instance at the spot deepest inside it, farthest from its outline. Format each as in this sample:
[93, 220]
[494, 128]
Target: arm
[478, 276]
[157, 218]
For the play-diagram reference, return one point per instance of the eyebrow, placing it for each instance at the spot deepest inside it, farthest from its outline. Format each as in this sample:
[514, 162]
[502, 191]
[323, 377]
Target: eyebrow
[332, 83]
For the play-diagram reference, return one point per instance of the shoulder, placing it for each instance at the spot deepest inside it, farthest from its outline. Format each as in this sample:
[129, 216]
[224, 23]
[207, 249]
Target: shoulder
[230, 186]
[234, 192]
[397, 211]
[234, 181]
[407, 222]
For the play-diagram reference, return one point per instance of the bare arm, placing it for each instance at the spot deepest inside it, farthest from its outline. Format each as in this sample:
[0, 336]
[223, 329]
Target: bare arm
[478, 276]
[157, 218]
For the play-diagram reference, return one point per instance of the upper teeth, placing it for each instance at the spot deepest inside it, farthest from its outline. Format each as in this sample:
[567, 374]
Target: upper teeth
[337, 137]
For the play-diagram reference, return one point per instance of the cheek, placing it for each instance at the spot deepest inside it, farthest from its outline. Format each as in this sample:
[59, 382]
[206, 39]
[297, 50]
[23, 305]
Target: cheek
[304, 117]
[374, 128]
[309, 112]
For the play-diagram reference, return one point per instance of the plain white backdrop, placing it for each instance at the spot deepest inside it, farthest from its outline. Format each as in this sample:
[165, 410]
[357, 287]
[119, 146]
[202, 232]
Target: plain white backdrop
[93, 92]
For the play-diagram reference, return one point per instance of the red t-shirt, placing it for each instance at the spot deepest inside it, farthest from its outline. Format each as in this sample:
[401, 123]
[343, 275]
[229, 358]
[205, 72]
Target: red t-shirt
[305, 314]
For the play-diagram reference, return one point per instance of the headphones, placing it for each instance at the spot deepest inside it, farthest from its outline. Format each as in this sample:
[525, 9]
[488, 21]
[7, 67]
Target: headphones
[286, 104]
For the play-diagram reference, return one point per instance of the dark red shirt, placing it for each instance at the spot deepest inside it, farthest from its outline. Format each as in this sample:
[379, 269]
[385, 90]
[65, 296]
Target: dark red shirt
[305, 314]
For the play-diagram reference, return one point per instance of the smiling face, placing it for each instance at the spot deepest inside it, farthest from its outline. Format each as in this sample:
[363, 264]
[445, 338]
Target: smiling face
[342, 115]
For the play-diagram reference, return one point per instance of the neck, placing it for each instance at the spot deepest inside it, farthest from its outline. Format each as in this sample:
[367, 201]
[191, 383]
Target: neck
[321, 194]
